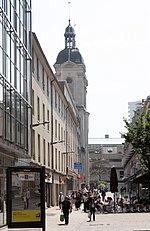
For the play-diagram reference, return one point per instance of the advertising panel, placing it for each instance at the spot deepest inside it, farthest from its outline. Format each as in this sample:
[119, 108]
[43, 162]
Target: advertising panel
[25, 197]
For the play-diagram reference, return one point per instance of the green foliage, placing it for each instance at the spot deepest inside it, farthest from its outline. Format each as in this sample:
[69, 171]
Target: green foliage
[101, 185]
[138, 134]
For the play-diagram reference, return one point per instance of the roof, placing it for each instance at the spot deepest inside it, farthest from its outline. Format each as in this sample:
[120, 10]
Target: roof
[69, 54]
[143, 178]
[69, 29]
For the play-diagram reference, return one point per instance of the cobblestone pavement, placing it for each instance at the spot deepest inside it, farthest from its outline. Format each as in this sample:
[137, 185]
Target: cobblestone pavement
[104, 222]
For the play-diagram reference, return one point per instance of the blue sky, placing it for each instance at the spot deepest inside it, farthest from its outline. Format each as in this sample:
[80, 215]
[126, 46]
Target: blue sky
[113, 37]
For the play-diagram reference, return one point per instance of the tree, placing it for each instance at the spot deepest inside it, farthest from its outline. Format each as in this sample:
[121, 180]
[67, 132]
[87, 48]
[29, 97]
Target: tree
[101, 185]
[138, 134]
[99, 167]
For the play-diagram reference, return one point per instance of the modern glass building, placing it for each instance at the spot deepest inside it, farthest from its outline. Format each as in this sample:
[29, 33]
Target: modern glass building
[15, 87]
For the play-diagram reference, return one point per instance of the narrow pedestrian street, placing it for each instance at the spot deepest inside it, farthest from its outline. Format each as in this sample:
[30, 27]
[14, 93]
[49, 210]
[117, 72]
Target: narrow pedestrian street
[104, 222]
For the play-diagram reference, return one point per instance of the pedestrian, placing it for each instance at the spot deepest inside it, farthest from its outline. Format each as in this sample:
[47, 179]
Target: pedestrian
[85, 198]
[91, 208]
[73, 197]
[28, 197]
[108, 205]
[60, 199]
[99, 204]
[66, 208]
[24, 198]
[103, 194]
[78, 201]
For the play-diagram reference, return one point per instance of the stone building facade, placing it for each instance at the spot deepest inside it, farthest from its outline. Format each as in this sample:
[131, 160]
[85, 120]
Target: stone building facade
[55, 127]
[70, 67]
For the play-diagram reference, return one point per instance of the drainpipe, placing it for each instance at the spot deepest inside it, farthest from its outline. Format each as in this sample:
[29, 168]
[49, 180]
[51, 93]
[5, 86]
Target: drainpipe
[52, 148]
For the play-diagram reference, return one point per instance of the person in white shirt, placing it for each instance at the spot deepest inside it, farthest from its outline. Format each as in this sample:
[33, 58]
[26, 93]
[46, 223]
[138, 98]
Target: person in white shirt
[60, 199]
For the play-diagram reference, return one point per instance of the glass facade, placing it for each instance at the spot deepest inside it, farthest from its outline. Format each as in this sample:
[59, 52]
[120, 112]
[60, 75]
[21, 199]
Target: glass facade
[15, 81]
[15, 70]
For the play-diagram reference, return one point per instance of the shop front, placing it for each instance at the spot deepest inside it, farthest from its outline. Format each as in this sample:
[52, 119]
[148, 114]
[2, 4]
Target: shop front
[143, 185]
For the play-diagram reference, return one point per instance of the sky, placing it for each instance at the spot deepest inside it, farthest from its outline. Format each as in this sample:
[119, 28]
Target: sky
[113, 36]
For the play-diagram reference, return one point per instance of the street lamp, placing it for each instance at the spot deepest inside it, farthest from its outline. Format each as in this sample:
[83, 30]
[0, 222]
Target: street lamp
[40, 123]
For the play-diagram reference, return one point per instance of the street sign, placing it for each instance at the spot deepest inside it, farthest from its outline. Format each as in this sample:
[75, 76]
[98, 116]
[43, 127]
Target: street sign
[77, 165]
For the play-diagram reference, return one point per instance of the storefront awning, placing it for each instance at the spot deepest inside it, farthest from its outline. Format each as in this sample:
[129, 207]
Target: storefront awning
[143, 178]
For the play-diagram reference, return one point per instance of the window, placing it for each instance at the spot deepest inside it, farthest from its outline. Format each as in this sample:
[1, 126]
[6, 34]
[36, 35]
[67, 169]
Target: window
[44, 154]
[59, 104]
[59, 131]
[38, 77]
[62, 163]
[62, 133]
[56, 158]
[38, 108]
[64, 137]
[47, 86]
[43, 81]
[62, 108]
[48, 120]
[32, 60]
[121, 174]
[32, 102]
[65, 112]
[43, 113]
[69, 80]
[33, 144]
[55, 98]
[55, 128]
[115, 160]
[39, 148]
[48, 154]
[59, 160]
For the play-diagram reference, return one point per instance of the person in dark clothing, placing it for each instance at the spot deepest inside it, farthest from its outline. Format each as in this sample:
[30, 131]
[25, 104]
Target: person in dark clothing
[103, 193]
[85, 199]
[92, 207]
[78, 201]
[66, 208]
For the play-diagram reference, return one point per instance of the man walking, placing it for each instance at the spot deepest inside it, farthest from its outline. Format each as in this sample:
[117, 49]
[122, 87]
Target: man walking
[66, 208]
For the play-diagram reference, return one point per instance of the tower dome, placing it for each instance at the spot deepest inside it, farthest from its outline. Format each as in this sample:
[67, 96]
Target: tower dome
[69, 29]
[71, 52]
